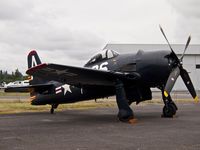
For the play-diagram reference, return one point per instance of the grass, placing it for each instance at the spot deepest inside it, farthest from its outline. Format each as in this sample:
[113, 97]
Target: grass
[19, 107]
[2, 93]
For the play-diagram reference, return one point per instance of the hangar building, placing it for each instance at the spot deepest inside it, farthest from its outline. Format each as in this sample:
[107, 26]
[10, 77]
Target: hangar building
[191, 61]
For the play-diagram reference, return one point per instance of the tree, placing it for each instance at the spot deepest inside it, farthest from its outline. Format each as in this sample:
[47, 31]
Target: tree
[18, 75]
[6, 77]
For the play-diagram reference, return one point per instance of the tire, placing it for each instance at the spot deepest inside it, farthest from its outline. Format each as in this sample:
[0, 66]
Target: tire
[52, 111]
[169, 111]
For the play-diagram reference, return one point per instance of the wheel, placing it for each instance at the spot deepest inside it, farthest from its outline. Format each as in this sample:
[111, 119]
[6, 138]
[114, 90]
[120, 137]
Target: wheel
[169, 110]
[52, 110]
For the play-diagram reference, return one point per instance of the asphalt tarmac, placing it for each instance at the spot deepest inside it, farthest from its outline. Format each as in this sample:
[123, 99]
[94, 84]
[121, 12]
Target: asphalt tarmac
[98, 129]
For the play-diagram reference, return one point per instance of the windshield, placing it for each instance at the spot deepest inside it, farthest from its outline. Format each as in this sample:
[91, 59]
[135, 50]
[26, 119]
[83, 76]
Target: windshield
[102, 55]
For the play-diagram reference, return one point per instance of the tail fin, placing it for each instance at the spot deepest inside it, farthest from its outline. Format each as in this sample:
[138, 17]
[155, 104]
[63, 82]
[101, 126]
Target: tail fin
[33, 59]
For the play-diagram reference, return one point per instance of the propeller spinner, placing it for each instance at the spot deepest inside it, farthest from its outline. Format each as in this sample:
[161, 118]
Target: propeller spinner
[178, 70]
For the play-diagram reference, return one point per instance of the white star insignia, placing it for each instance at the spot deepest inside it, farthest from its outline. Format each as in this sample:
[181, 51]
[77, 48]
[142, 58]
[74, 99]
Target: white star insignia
[66, 88]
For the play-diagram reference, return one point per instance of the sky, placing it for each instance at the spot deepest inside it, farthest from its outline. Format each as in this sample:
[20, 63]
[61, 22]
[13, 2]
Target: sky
[69, 32]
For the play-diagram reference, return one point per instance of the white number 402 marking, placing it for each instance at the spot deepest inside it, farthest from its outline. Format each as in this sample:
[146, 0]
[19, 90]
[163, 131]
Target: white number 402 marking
[102, 66]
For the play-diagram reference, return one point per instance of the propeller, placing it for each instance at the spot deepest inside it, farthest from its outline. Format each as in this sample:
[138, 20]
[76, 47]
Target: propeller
[178, 70]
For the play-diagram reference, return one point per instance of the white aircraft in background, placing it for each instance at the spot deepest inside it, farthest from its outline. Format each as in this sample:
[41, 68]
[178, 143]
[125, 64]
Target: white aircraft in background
[16, 84]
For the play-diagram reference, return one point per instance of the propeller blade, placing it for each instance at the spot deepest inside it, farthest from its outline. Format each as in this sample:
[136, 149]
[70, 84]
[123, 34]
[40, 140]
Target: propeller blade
[186, 78]
[171, 81]
[174, 54]
[165, 37]
[186, 46]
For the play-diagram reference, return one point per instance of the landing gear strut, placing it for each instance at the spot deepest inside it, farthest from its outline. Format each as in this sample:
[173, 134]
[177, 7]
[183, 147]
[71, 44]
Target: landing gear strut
[53, 106]
[125, 113]
[170, 108]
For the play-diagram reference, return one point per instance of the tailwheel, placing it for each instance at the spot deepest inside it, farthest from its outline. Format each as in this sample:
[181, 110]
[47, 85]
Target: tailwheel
[169, 110]
[52, 110]
[53, 106]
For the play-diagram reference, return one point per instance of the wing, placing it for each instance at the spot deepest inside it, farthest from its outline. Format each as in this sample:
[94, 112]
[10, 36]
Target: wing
[78, 75]
[28, 88]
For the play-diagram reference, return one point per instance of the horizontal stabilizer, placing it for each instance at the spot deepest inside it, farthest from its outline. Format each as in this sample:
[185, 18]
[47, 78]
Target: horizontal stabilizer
[28, 88]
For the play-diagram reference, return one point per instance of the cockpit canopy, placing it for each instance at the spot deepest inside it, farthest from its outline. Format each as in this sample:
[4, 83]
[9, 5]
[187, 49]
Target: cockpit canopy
[102, 55]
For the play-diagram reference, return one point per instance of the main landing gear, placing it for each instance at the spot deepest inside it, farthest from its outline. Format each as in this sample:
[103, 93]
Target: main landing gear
[170, 108]
[125, 113]
[53, 106]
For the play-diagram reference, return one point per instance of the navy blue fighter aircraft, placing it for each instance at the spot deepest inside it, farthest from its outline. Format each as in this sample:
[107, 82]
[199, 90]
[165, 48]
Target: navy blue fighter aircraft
[128, 76]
